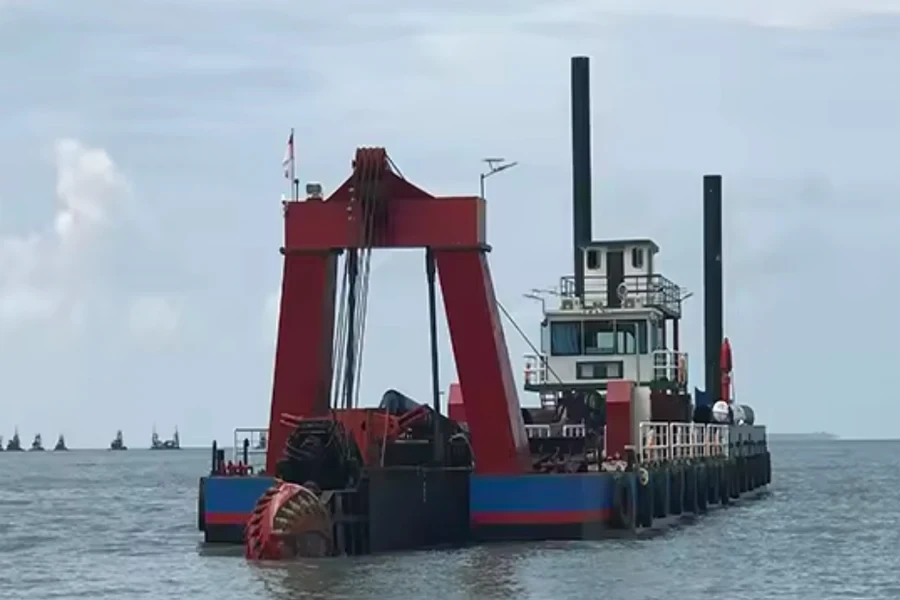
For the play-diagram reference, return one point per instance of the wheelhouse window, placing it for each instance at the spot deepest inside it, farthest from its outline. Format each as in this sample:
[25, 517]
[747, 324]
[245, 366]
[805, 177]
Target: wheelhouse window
[593, 338]
[593, 259]
[599, 337]
[657, 336]
[637, 258]
[615, 337]
[607, 369]
[626, 337]
[565, 338]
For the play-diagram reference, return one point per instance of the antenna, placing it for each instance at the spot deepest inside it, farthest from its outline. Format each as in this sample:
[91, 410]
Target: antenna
[495, 165]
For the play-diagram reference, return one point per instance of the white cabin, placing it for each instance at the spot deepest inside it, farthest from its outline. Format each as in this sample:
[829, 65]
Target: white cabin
[624, 327]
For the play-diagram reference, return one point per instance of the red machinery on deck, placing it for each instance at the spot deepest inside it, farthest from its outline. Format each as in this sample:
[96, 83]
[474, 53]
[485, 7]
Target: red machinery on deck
[371, 429]
[376, 208]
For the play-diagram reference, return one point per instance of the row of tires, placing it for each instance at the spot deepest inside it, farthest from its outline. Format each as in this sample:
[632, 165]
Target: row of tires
[659, 491]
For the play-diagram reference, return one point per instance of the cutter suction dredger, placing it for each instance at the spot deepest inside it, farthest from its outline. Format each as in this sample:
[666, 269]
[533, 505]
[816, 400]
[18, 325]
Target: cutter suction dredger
[618, 443]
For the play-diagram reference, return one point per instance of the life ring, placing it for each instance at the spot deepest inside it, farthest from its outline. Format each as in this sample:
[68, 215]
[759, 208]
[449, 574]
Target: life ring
[681, 372]
[623, 503]
[643, 477]
[645, 499]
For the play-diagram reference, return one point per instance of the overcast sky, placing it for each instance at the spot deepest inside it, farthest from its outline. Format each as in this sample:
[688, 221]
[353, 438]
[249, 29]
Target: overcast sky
[140, 179]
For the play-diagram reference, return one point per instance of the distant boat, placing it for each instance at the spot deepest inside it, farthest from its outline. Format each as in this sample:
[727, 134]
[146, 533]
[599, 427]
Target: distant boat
[14, 444]
[157, 444]
[118, 443]
[1, 443]
[60, 444]
[37, 445]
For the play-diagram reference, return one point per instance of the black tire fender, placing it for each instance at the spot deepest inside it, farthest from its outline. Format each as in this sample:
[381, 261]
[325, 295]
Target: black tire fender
[623, 503]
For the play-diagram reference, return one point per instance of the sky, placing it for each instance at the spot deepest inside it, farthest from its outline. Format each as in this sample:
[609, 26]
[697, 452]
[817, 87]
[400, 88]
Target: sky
[140, 187]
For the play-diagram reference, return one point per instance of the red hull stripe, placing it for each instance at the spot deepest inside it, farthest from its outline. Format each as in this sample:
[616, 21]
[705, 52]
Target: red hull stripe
[540, 518]
[227, 518]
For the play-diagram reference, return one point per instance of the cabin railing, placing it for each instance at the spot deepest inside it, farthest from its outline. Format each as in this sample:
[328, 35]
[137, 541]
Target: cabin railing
[670, 366]
[635, 291]
[535, 369]
[682, 441]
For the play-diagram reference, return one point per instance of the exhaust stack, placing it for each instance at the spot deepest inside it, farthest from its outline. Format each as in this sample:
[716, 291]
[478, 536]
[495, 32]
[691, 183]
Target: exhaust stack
[713, 309]
[581, 166]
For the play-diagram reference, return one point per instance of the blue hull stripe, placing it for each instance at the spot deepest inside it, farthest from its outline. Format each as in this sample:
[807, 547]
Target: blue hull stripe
[233, 494]
[536, 493]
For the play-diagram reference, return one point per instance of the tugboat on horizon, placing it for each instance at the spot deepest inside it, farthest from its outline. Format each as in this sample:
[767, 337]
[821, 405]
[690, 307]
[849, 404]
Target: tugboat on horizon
[60, 444]
[37, 445]
[157, 444]
[14, 444]
[119, 442]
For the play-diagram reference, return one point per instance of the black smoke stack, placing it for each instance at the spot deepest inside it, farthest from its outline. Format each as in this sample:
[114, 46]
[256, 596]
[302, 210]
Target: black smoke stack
[581, 165]
[713, 311]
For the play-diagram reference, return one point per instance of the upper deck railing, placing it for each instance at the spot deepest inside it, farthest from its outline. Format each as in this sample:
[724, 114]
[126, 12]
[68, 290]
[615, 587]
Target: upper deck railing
[635, 291]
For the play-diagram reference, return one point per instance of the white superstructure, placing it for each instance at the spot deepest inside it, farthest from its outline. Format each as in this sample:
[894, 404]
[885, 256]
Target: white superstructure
[625, 326]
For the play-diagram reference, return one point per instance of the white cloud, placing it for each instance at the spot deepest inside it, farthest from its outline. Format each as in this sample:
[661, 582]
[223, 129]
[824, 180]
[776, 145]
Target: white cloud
[41, 272]
[154, 320]
[794, 14]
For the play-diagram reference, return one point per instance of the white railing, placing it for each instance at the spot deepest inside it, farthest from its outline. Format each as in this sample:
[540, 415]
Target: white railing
[576, 430]
[537, 431]
[535, 369]
[681, 441]
[670, 365]
[257, 438]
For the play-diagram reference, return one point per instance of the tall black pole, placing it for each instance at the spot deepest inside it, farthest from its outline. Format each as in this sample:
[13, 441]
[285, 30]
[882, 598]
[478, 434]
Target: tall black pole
[713, 309]
[581, 165]
[438, 445]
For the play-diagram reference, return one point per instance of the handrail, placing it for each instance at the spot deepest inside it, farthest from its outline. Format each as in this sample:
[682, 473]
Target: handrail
[536, 370]
[650, 290]
[257, 445]
[670, 366]
[659, 442]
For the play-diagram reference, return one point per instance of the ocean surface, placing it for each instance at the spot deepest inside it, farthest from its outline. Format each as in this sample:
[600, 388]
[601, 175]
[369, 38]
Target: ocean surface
[123, 526]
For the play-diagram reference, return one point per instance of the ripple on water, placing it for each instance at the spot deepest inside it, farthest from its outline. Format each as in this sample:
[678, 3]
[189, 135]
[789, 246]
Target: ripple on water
[122, 526]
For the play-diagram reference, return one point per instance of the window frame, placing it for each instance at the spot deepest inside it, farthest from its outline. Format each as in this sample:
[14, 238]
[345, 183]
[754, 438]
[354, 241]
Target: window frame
[580, 343]
[598, 350]
[617, 364]
[637, 258]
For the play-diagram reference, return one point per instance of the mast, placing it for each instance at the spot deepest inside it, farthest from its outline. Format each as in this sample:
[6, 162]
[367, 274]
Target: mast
[713, 310]
[581, 166]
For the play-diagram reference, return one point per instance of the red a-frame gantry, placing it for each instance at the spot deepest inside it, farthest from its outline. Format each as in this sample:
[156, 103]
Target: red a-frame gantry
[316, 231]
